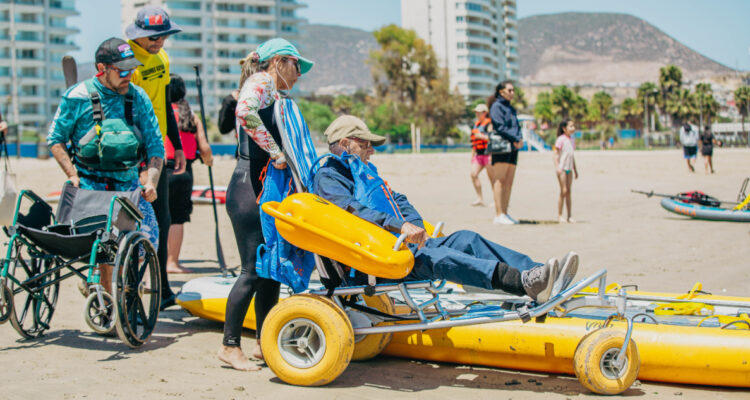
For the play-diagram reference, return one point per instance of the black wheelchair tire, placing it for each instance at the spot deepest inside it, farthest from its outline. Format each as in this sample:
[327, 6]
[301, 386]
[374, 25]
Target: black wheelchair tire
[136, 281]
[39, 309]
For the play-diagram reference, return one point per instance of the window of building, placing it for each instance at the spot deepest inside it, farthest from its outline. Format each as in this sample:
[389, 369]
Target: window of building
[460, 19]
[287, 13]
[460, 45]
[184, 5]
[187, 21]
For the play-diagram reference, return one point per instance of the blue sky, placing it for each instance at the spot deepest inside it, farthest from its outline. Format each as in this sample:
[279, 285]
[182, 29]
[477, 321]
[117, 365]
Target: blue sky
[718, 29]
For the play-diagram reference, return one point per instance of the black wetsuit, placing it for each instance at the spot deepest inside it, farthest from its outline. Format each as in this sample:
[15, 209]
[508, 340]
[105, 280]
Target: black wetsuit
[244, 214]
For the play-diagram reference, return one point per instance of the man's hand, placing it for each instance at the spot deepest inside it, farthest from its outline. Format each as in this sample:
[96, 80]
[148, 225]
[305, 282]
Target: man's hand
[414, 234]
[179, 162]
[279, 162]
[518, 144]
[75, 180]
[149, 192]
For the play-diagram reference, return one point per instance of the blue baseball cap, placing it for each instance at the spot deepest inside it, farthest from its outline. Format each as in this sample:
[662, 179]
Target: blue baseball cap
[151, 21]
[282, 47]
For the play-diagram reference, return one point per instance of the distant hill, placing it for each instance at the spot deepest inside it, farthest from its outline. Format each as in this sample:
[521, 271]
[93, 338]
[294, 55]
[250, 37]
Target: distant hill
[340, 56]
[602, 47]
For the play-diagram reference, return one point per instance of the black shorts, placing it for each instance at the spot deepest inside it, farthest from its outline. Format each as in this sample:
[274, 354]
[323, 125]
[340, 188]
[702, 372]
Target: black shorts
[510, 158]
[689, 151]
[707, 150]
[180, 191]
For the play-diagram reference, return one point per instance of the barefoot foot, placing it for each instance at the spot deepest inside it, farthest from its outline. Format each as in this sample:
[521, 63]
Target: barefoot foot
[257, 352]
[177, 269]
[236, 359]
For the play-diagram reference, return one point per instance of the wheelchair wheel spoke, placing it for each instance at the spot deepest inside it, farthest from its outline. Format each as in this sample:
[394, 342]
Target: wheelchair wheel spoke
[25, 309]
[142, 312]
[144, 266]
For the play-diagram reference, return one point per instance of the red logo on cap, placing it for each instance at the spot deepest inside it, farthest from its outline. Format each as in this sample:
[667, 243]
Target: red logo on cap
[154, 20]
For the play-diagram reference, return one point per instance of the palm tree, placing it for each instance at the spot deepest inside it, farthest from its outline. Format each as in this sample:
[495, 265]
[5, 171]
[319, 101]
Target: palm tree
[601, 104]
[742, 102]
[707, 105]
[681, 105]
[519, 100]
[562, 100]
[543, 108]
[630, 110]
[670, 81]
[647, 95]
[579, 108]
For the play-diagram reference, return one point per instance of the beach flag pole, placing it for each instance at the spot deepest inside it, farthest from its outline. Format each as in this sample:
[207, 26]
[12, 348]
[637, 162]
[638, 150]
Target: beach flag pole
[219, 252]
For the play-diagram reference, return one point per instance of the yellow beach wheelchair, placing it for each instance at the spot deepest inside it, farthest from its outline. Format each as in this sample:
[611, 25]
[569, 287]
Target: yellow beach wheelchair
[309, 339]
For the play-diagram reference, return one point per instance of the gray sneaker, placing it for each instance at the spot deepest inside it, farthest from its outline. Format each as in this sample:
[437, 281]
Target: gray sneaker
[567, 273]
[538, 281]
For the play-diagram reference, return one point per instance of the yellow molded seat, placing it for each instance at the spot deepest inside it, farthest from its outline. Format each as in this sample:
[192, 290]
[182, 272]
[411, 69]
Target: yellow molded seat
[319, 226]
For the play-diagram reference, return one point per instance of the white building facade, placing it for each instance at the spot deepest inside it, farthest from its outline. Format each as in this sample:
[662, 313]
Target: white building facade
[475, 40]
[216, 35]
[34, 36]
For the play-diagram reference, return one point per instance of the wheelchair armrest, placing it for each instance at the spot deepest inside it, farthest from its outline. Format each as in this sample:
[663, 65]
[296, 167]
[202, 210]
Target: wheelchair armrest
[130, 208]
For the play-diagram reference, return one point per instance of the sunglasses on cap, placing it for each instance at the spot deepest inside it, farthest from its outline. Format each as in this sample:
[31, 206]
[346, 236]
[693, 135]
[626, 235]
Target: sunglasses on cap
[286, 59]
[156, 38]
[122, 72]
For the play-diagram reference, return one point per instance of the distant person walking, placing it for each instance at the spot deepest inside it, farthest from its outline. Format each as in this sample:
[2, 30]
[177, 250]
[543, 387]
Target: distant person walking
[480, 159]
[707, 141]
[565, 166]
[689, 142]
[503, 169]
[194, 141]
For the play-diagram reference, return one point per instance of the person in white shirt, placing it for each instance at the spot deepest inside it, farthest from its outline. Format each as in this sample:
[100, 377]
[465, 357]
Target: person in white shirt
[565, 166]
[689, 141]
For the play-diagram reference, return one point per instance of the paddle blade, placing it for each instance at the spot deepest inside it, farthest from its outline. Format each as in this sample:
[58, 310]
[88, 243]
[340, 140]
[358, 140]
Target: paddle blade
[70, 70]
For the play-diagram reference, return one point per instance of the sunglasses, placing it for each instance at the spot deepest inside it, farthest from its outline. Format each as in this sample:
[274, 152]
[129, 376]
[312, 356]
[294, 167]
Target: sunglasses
[362, 142]
[294, 59]
[157, 38]
[122, 72]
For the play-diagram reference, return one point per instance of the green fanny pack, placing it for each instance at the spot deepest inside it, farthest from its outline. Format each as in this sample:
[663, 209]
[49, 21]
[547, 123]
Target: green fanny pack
[112, 144]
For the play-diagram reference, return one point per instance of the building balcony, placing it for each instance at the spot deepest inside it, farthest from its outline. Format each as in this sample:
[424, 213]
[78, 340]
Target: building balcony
[62, 12]
[511, 22]
[241, 14]
[29, 44]
[293, 4]
[508, 10]
[29, 26]
[64, 30]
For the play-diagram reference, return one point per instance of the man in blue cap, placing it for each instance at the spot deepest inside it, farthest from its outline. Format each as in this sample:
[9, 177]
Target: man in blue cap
[86, 110]
[147, 34]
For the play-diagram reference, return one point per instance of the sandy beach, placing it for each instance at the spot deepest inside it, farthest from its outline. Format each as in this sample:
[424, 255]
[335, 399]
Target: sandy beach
[630, 235]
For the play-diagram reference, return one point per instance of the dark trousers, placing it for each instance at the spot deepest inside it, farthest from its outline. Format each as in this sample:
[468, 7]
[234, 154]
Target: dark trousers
[467, 258]
[245, 216]
[161, 209]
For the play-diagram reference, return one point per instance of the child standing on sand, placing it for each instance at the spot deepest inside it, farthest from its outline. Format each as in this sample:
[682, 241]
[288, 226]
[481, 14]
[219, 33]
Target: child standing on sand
[565, 166]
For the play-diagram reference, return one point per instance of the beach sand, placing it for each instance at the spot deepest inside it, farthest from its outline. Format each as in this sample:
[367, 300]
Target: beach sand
[630, 235]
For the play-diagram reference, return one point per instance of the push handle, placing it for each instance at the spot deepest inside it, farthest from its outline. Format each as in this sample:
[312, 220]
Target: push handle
[399, 241]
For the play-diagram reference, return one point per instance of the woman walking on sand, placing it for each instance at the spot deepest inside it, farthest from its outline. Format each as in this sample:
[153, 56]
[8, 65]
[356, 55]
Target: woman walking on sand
[565, 166]
[480, 159]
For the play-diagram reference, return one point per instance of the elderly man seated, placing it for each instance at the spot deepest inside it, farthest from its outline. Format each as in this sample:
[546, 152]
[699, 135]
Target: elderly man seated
[351, 182]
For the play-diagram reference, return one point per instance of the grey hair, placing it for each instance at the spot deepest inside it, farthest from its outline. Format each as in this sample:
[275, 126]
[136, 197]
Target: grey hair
[251, 65]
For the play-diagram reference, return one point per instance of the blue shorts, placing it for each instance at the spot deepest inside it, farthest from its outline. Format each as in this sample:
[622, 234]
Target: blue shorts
[148, 225]
[689, 151]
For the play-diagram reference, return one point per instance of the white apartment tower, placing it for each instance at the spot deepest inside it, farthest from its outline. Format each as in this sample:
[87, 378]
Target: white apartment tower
[216, 34]
[475, 40]
[34, 36]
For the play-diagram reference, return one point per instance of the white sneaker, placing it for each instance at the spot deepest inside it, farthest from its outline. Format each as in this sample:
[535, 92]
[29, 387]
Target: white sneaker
[502, 219]
[568, 269]
[513, 220]
[538, 281]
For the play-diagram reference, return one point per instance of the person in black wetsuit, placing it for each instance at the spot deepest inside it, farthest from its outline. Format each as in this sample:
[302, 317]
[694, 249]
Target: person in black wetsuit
[707, 141]
[275, 66]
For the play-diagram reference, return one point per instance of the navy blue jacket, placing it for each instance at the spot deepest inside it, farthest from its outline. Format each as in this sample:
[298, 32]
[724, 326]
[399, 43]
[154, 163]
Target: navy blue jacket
[504, 120]
[334, 182]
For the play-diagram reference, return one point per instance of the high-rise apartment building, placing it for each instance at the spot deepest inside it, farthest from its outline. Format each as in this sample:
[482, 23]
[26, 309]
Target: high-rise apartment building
[216, 35]
[34, 36]
[475, 40]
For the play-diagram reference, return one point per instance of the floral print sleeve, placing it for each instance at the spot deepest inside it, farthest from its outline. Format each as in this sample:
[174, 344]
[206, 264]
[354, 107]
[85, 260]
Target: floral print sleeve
[258, 92]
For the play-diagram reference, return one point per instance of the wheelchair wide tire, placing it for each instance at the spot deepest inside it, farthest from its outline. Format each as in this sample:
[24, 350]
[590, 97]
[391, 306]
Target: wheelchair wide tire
[136, 286]
[594, 367]
[307, 340]
[30, 315]
[369, 346]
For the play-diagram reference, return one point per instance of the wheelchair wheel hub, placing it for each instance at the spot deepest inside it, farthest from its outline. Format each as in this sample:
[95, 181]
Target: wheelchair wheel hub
[302, 343]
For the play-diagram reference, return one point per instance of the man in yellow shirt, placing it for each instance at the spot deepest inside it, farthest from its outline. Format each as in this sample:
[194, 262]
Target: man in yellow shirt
[147, 35]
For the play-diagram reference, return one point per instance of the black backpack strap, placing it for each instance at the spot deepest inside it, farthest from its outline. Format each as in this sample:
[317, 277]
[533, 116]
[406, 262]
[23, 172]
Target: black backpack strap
[96, 102]
[129, 108]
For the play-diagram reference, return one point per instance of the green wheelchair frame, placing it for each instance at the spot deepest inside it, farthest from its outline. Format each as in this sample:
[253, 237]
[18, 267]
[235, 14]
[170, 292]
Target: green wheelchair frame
[31, 270]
